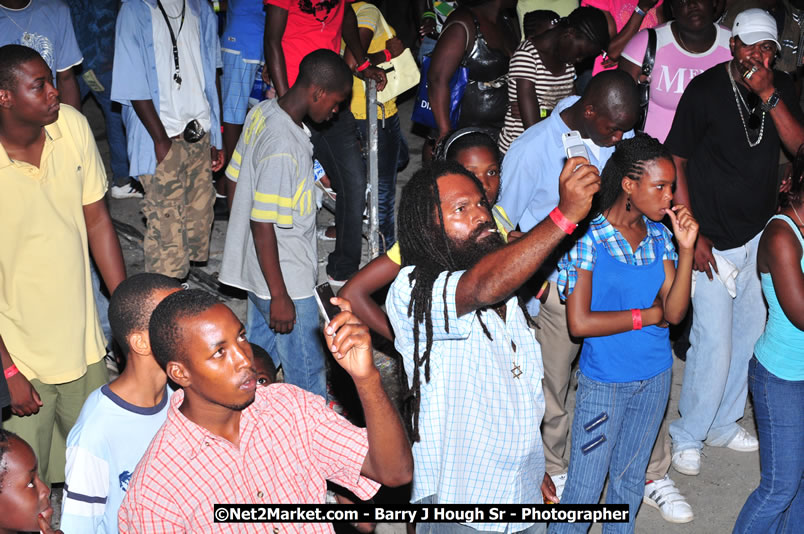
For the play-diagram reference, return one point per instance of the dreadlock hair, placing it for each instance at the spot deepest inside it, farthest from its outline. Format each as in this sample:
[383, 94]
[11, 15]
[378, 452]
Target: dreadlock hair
[628, 161]
[427, 248]
[796, 192]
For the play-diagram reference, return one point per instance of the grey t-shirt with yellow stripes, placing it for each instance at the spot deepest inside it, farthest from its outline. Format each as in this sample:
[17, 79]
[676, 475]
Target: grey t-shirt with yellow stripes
[273, 168]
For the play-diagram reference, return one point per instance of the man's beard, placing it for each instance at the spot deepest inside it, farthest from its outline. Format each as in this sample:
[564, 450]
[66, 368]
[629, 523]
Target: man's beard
[467, 253]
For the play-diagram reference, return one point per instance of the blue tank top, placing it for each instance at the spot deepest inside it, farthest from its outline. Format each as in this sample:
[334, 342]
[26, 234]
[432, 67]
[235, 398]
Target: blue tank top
[780, 349]
[633, 355]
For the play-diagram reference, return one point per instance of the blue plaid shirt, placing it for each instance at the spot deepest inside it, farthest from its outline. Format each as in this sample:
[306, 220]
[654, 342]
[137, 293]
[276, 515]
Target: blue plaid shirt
[479, 426]
[584, 254]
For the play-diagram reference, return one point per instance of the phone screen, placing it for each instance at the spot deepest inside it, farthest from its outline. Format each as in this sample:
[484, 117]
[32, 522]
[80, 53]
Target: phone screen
[323, 293]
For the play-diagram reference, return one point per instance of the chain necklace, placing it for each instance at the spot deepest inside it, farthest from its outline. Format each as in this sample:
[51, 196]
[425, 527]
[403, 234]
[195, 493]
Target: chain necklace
[795, 212]
[516, 370]
[738, 98]
[677, 34]
[27, 38]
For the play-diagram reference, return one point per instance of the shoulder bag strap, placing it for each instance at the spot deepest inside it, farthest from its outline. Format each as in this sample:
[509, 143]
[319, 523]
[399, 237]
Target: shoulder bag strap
[650, 54]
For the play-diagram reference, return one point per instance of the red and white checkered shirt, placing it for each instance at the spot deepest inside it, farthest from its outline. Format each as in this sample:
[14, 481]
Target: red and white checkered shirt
[290, 444]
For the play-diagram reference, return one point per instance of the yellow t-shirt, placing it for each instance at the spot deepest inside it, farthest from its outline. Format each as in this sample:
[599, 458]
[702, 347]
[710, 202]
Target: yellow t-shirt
[48, 318]
[368, 16]
[504, 225]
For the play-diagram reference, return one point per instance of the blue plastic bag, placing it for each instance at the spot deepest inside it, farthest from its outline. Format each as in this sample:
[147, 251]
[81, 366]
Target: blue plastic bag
[423, 113]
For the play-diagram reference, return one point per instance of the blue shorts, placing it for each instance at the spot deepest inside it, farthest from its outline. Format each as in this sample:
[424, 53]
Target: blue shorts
[236, 84]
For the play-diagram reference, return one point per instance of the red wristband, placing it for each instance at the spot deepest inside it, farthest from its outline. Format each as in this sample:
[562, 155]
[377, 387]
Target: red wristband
[11, 371]
[366, 64]
[636, 318]
[387, 55]
[562, 222]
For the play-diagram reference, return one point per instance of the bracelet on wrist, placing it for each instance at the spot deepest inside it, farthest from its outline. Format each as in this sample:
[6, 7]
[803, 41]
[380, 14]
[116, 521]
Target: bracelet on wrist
[636, 319]
[363, 66]
[562, 222]
[428, 15]
[387, 55]
[10, 371]
[638, 11]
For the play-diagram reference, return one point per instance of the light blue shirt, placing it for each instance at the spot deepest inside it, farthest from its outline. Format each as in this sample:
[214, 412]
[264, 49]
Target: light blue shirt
[780, 349]
[530, 172]
[103, 448]
[135, 77]
[45, 26]
[479, 426]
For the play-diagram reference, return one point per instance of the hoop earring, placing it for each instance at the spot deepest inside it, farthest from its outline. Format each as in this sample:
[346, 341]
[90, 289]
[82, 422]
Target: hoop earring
[628, 203]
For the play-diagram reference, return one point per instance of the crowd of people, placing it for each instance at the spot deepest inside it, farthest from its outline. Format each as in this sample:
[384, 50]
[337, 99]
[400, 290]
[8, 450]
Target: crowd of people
[609, 170]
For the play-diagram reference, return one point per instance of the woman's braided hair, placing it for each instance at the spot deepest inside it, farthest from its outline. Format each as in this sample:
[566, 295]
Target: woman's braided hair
[628, 161]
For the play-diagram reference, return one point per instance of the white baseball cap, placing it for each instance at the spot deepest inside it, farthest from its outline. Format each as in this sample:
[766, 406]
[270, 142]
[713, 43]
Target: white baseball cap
[755, 25]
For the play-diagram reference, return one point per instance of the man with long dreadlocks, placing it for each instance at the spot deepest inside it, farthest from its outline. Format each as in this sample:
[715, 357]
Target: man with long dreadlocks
[473, 364]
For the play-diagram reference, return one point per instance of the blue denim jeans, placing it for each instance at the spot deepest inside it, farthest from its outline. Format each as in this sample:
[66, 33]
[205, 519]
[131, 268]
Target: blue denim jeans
[300, 352]
[389, 148]
[724, 331]
[777, 505]
[337, 148]
[101, 302]
[115, 134]
[635, 411]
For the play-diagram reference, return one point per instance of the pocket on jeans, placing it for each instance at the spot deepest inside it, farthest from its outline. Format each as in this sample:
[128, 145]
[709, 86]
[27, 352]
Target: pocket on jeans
[586, 387]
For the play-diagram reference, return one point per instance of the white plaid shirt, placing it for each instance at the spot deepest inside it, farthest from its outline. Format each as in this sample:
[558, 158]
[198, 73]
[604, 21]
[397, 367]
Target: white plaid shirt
[479, 426]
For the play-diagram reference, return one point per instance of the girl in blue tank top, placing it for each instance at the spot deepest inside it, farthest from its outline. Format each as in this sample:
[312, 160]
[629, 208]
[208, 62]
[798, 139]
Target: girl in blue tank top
[776, 372]
[622, 289]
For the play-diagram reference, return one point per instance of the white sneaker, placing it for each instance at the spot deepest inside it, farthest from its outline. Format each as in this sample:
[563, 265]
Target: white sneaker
[687, 462]
[665, 497]
[131, 189]
[559, 481]
[743, 442]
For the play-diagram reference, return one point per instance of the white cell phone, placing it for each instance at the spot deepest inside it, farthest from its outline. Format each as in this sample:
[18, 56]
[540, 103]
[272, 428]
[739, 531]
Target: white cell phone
[323, 293]
[573, 145]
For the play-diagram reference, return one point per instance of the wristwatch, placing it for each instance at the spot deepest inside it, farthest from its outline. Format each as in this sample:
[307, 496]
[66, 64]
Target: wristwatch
[772, 102]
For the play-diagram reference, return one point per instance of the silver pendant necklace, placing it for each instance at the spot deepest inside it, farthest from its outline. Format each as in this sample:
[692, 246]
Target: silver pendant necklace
[738, 98]
[27, 38]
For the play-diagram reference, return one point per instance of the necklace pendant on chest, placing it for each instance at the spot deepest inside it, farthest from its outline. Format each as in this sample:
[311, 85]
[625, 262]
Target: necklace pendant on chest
[27, 39]
[516, 371]
[177, 79]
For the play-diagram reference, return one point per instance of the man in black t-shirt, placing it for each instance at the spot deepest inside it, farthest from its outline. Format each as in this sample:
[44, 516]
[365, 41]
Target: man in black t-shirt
[725, 142]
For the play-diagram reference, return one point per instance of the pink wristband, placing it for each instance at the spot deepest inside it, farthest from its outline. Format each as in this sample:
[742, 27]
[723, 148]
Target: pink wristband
[636, 318]
[366, 64]
[387, 55]
[11, 371]
[562, 222]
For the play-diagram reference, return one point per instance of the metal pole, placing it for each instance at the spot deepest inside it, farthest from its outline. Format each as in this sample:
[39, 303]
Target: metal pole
[371, 167]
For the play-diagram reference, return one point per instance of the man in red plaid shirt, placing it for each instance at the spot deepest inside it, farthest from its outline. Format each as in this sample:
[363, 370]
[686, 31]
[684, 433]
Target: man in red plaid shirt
[226, 441]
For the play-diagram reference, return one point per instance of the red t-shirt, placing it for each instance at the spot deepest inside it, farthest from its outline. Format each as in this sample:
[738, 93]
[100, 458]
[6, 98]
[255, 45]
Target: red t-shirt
[312, 24]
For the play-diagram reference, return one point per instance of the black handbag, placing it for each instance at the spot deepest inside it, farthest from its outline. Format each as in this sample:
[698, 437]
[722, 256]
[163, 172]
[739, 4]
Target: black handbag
[644, 80]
